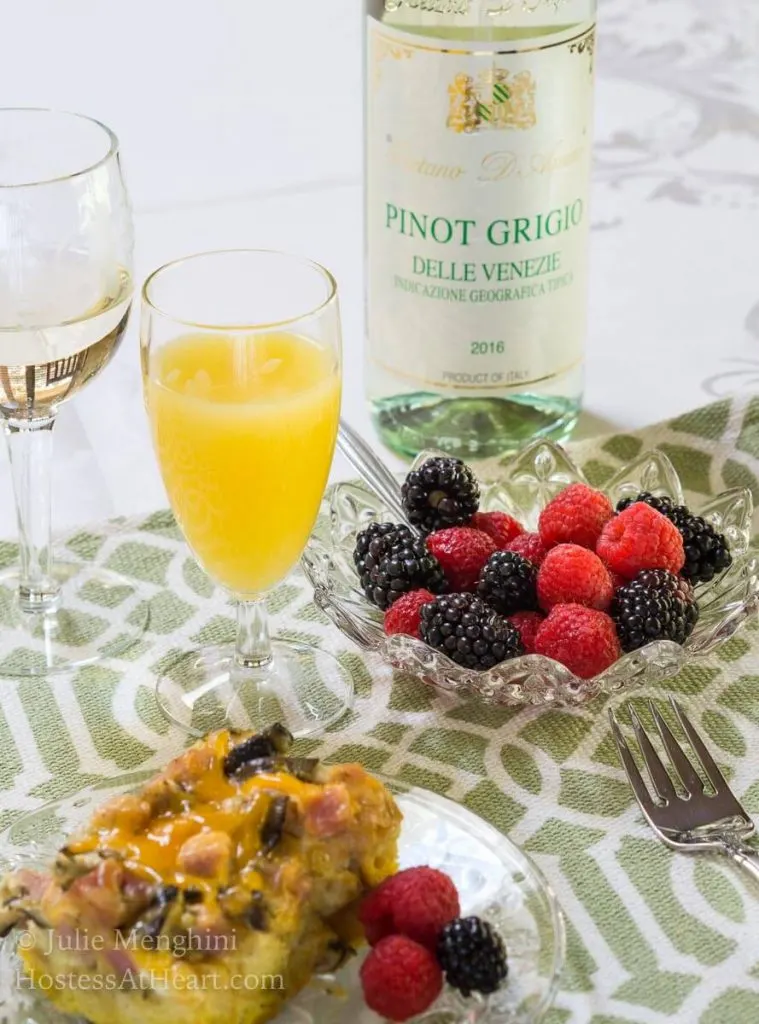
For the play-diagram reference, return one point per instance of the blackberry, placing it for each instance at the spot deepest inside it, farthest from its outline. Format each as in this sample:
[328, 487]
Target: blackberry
[261, 746]
[472, 956]
[508, 583]
[660, 503]
[390, 561]
[442, 492]
[707, 553]
[655, 606]
[366, 538]
[469, 632]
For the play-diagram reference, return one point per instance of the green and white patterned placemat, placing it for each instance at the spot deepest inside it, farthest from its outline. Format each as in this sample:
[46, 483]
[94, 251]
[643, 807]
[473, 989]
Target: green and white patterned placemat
[653, 937]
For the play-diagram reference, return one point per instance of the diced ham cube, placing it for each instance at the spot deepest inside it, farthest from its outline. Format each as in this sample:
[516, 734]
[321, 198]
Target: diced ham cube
[329, 813]
[207, 855]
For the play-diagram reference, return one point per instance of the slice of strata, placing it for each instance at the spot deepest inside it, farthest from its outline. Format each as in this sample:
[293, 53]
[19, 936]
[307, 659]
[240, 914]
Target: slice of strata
[212, 894]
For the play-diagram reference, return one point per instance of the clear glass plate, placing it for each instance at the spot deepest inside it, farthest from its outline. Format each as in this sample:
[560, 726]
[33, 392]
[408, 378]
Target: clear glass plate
[523, 490]
[495, 880]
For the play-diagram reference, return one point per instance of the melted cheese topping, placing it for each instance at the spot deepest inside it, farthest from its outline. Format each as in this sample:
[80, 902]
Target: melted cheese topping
[150, 840]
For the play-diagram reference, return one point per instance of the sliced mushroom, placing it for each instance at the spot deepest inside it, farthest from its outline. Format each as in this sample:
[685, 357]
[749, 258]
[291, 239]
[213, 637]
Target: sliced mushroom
[257, 915]
[154, 920]
[274, 823]
[335, 956]
[281, 738]
[307, 769]
[166, 794]
[238, 903]
[255, 748]
[259, 766]
[70, 866]
[275, 740]
[12, 913]
[234, 901]
[19, 898]
[15, 912]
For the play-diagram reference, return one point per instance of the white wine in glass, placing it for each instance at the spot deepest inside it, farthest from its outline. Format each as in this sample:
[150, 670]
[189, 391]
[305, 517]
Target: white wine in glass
[42, 366]
[66, 288]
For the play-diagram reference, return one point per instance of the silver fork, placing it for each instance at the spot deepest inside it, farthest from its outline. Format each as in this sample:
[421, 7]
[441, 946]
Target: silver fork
[695, 821]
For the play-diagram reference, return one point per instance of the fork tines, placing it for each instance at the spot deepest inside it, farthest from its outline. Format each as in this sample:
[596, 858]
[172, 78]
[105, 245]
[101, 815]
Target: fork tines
[687, 817]
[660, 777]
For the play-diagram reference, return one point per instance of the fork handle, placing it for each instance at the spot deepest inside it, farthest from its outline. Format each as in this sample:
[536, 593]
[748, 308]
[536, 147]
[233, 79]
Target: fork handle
[745, 856]
[372, 471]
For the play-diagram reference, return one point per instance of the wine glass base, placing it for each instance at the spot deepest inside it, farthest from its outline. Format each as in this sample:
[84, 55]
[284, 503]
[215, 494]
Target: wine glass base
[303, 688]
[98, 614]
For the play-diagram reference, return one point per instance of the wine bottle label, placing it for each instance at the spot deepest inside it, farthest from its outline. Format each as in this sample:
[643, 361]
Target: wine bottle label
[478, 169]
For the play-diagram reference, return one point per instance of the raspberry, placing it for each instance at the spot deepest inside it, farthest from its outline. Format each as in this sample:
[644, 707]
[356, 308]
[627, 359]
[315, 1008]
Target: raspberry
[416, 903]
[501, 527]
[582, 639]
[529, 546]
[707, 552]
[462, 552]
[528, 624]
[641, 538]
[573, 575]
[575, 516]
[403, 616]
[617, 581]
[400, 978]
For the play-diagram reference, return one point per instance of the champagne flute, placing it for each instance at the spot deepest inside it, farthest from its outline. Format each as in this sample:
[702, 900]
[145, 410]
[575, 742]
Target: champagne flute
[65, 294]
[241, 355]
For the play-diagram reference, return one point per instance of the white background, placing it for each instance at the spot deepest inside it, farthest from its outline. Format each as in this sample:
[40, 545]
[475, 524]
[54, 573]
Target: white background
[240, 123]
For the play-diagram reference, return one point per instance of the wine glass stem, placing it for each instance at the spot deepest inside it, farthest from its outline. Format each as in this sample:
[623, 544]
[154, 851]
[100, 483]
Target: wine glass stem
[30, 447]
[253, 645]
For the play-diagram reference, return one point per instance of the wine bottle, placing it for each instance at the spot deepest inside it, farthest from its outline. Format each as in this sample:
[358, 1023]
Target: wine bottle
[478, 154]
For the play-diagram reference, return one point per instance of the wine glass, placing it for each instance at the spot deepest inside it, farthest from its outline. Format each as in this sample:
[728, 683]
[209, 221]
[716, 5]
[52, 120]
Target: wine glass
[241, 356]
[65, 294]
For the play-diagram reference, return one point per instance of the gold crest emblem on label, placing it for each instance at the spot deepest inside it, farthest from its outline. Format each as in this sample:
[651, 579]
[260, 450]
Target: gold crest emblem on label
[495, 100]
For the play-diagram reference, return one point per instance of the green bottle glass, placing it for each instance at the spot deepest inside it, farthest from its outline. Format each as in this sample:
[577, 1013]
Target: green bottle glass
[479, 117]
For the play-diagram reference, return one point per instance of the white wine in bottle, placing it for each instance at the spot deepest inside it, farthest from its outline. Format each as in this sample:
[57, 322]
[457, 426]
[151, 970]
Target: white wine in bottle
[479, 124]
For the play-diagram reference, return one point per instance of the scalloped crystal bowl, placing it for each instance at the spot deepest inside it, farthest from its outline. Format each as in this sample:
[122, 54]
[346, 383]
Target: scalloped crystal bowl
[525, 487]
